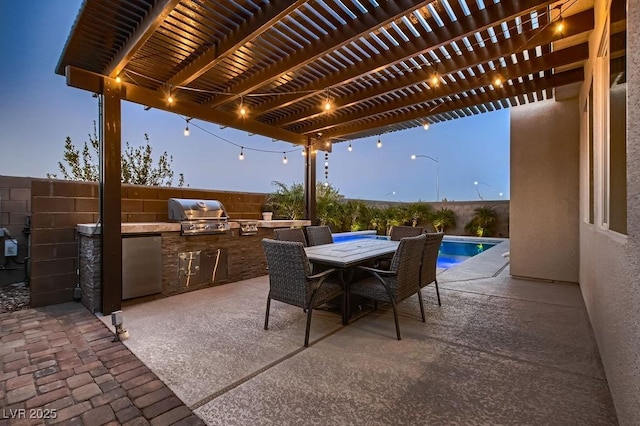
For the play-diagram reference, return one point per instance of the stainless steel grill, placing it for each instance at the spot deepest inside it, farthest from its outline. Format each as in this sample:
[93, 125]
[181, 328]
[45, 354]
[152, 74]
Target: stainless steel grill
[198, 217]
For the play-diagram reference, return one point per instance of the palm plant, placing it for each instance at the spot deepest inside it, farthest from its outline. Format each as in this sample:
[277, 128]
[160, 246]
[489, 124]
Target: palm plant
[483, 223]
[443, 219]
[419, 212]
[287, 202]
[328, 204]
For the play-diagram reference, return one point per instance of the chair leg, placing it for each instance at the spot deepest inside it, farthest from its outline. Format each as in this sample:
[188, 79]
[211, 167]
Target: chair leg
[395, 318]
[421, 305]
[438, 293]
[306, 333]
[266, 316]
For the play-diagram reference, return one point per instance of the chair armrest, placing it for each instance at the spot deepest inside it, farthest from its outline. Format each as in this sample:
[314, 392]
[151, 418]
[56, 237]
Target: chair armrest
[321, 274]
[380, 272]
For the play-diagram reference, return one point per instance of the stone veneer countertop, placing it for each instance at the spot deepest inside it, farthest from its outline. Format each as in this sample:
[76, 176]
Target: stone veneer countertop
[156, 227]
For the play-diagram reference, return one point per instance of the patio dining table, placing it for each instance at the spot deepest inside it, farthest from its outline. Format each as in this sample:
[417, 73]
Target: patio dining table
[345, 256]
[351, 253]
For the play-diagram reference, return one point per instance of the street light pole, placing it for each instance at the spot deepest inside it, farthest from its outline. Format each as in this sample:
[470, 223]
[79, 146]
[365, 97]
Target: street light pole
[435, 160]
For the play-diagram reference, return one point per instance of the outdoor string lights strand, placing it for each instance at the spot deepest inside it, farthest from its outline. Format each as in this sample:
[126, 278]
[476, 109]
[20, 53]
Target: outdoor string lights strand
[242, 147]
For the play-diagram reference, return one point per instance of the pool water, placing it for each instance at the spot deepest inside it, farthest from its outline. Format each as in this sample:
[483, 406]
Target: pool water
[451, 252]
[455, 252]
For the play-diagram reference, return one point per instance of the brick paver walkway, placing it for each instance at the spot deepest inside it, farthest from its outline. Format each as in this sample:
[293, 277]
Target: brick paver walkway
[61, 366]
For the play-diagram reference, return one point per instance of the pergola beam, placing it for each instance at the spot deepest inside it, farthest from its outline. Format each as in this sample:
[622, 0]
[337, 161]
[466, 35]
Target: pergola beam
[517, 89]
[559, 58]
[140, 35]
[380, 16]
[465, 26]
[269, 15]
[504, 48]
[95, 83]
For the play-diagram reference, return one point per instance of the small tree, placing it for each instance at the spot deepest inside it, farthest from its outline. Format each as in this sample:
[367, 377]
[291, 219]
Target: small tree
[136, 166]
[483, 223]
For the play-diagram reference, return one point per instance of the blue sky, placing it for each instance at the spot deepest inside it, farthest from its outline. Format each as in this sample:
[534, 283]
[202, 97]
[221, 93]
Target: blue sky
[38, 111]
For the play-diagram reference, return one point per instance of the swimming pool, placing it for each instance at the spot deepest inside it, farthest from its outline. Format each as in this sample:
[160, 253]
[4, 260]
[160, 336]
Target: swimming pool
[454, 250]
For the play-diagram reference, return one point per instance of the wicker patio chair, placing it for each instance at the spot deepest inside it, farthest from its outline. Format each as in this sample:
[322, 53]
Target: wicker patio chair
[290, 234]
[317, 235]
[291, 282]
[428, 269]
[399, 232]
[401, 281]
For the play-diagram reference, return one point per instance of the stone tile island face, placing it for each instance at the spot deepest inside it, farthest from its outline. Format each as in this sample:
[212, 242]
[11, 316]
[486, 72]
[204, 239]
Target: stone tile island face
[188, 262]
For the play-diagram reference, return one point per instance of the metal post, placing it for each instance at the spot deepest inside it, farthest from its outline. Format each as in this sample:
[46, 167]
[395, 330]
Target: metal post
[110, 200]
[310, 182]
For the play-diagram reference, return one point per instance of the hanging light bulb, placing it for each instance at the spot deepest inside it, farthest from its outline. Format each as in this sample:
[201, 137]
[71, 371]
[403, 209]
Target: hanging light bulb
[350, 147]
[425, 126]
[435, 79]
[186, 130]
[243, 109]
[118, 79]
[241, 156]
[379, 144]
[284, 159]
[170, 99]
[327, 101]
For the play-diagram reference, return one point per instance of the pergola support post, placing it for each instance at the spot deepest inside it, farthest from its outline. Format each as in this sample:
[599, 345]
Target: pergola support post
[310, 182]
[110, 199]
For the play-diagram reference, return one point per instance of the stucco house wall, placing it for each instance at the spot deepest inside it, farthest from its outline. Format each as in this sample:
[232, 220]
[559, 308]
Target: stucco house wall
[544, 228]
[610, 261]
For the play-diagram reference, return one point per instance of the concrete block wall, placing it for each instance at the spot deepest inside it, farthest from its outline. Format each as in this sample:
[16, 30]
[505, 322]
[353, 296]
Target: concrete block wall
[15, 207]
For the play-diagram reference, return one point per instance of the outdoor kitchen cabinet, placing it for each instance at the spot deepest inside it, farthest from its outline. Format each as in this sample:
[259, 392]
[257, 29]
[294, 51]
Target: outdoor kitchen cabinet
[141, 265]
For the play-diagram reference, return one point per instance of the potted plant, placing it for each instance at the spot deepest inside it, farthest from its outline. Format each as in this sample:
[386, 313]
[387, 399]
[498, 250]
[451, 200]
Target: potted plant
[267, 213]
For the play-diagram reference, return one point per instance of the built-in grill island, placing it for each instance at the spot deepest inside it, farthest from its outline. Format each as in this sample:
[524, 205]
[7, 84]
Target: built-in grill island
[201, 247]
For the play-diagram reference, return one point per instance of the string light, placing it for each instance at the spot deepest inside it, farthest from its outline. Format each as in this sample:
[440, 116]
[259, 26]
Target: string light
[413, 156]
[560, 25]
[497, 82]
[379, 144]
[326, 168]
[241, 156]
[170, 99]
[284, 159]
[118, 79]
[425, 126]
[435, 79]
[304, 152]
[327, 101]
[243, 109]
[186, 129]
[350, 147]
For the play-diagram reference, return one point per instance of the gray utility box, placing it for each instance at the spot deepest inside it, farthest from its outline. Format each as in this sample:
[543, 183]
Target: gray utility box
[141, 265]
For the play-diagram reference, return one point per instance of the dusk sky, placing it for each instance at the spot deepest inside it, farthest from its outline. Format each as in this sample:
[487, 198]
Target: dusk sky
[38, 111]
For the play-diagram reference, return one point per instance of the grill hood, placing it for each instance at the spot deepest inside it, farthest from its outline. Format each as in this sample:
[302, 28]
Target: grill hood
[181, 209]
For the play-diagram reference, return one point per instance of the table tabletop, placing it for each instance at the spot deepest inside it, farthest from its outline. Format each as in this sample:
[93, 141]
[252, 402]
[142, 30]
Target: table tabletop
[351, 253]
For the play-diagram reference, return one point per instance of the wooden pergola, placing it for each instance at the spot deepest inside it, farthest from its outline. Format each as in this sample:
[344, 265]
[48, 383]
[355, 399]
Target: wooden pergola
[314, 72]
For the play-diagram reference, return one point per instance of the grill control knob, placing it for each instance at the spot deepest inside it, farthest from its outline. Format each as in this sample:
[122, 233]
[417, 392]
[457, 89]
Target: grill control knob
[206, 226]
[192, 226]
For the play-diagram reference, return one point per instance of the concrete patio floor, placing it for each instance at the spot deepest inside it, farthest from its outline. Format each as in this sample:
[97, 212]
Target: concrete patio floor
[498, 351]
